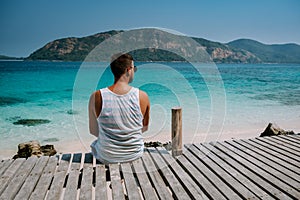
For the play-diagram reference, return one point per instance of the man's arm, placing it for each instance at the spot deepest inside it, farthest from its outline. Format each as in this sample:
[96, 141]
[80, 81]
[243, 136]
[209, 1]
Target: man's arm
[145, 108]
[93, 124]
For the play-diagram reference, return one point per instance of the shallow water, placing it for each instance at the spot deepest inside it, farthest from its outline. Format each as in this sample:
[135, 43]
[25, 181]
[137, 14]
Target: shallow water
[219, 102]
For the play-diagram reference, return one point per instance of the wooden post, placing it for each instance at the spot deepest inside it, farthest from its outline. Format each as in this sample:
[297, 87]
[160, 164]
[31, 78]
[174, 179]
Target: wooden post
[176, 131]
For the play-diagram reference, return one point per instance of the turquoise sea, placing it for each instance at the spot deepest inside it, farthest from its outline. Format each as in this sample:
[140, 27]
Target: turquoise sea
[230, 101]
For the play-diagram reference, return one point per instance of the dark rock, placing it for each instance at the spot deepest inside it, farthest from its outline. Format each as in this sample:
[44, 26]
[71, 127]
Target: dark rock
[273, 130]
[33, 148]
[31, 122]
[6, 101]
[167, 145]
[51, 140]
[11, 119]
[72, 112]
[48, 150]
[28, 149]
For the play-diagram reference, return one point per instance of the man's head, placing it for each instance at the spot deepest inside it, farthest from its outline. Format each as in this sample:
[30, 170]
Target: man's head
[121, 64]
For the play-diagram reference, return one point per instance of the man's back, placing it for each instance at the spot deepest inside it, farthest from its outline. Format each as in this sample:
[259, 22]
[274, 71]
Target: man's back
[120, 127]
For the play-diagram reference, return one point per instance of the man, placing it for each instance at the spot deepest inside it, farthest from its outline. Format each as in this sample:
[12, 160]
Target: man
[118, 115]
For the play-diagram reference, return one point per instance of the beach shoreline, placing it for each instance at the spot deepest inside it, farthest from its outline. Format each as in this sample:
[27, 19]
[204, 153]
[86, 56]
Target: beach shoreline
[82, 145]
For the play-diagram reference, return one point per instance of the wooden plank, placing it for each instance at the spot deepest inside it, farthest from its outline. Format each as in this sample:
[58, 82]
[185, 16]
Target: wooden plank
[175, 186]
[86, 183]
[190, 184]
[284, 143]
[279, 148]
[88, 159]
[10, 173]
[276, 171]
[202, 182]
[4, 165]
[100, 187]
[293, 140]
[19, 178]
[296, 137]
[116, 184]
[272, 161]
[157, 180]
[73, 178]
[130, 182]
[270, 152]
[240, 157]
[32, 179]
[45, 180]
[144, 182]
[252, 188]
[242, 169]
[234, 184]
[59, 177]
[221, 187]
[289, 140]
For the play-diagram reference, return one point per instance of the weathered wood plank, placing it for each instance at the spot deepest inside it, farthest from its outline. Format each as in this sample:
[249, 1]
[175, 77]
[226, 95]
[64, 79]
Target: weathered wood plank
[88, 160]
[10, 173]
[130, 182]
[252, 188]
[285, 183]
[32, 179]
[147, 189]
[45, 180]
[202, 182]
[100, 187]
[59, 177]
[279, 148]
[4, 165]
[277, 188]
[296, 137]
[175, 186]
[86, 183]
[293, 140]
[242, 169]
[157, 180]
[274, 162]
[224, 190]
[284, 143]
[270, 152]
[187, 181]
[235, 185]
[289, 140]
[19, 178]
[116, 183]
[286, 155]
[73, 178]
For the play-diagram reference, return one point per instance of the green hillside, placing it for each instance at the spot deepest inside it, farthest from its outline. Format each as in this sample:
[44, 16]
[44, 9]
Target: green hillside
[275, 53]
[238, 51]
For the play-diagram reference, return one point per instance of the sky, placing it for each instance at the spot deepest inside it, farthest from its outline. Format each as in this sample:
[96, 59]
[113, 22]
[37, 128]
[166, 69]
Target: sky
[27, 25]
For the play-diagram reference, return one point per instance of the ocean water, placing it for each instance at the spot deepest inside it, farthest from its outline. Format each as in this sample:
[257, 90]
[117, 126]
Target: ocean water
[219, 102]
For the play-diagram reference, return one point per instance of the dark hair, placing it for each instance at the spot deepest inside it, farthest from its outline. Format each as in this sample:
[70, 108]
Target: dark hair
[119, 63]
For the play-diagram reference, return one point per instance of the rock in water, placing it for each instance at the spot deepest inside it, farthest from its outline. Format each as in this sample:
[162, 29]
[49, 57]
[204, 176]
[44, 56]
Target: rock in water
[33, 148]
[273, 130]
[31, 122]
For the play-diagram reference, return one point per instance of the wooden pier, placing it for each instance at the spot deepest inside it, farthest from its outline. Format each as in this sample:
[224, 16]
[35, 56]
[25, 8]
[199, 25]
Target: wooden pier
[260, 168]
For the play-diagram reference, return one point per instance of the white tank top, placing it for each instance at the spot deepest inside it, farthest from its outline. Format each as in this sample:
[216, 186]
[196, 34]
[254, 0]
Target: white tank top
[120, 128]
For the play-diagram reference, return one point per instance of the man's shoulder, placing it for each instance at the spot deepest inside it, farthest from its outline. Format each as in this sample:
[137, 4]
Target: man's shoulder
[143, 95]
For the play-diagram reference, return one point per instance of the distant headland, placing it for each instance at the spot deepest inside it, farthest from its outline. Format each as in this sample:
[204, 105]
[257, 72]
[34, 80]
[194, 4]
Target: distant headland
[237, 51]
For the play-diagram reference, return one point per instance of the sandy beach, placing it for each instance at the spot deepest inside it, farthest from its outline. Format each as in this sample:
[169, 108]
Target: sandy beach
[76, 145]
